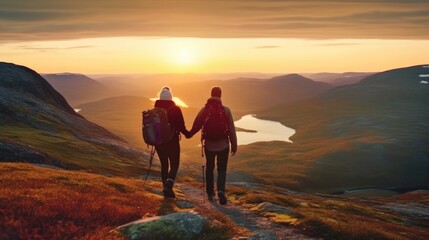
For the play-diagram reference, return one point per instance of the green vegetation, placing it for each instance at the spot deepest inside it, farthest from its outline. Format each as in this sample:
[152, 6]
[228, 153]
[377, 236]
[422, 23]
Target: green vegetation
[73, 153]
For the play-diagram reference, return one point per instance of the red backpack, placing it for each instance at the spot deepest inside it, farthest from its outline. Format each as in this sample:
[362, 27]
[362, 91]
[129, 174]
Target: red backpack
[215, 125]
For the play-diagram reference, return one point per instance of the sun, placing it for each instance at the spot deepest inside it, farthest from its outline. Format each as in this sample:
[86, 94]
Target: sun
[185, 57]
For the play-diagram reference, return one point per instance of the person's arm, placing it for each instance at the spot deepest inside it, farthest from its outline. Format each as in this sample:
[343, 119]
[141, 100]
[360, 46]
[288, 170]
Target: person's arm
[180, 122]
[198, 122]
[231, 133]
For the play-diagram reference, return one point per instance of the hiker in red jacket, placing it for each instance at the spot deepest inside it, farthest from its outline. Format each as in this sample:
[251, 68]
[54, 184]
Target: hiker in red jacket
[217, 135]
[169, 152]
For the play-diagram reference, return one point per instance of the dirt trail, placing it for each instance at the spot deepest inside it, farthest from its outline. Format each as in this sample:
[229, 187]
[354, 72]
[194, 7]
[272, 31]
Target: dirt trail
[261, 226]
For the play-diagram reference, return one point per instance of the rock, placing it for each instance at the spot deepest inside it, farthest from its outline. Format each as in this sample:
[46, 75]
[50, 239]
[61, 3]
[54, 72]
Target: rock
[182, 225]
[184, 204]
[269, 207]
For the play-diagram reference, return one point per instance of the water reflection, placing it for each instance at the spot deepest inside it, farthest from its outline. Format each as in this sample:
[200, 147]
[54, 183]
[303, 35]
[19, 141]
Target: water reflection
[266, 130]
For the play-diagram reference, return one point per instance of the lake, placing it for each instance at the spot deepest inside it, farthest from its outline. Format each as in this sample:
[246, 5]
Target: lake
[261, 130]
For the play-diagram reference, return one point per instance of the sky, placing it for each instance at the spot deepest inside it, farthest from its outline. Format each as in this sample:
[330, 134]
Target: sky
[163, 36]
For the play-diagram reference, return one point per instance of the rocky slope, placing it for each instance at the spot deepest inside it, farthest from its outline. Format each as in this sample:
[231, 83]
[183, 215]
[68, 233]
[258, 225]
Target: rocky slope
[38, 125]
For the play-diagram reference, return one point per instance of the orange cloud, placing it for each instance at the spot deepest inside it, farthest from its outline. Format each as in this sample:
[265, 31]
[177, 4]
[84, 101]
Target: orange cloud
[52, 19]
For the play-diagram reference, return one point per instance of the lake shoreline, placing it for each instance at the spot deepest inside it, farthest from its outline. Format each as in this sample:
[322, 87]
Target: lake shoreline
[251, 129]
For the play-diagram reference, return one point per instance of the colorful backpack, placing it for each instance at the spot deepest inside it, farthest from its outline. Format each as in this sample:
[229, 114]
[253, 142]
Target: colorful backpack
[155, 127]
[215, 125]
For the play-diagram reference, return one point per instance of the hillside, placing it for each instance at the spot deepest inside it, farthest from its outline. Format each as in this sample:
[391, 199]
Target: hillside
[373, 134]
[38, 125]
[78, 88]
[41, 203]
[121, 115]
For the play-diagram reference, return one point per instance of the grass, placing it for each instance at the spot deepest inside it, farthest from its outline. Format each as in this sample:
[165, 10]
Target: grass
[40, 203]
[334, 217]
[73, 153]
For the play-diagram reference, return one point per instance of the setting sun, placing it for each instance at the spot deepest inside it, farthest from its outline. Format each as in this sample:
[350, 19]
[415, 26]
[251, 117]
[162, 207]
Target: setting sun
[186, 57]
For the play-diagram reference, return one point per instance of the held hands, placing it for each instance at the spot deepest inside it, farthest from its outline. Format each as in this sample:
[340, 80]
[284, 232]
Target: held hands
[188, 134]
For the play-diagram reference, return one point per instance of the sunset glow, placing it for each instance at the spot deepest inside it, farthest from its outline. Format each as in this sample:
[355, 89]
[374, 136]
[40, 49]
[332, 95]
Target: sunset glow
[167, 55]
[214, 36]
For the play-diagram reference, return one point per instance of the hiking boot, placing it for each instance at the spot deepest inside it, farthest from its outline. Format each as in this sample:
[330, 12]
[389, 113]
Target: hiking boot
[169, 193]
[210, 197]
[168, 189]
[222, 198]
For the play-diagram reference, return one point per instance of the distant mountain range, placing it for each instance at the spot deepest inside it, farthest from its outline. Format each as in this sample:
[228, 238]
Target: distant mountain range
[250, 94]
[38, 125]
[78, 88]
[339, 79]
[256, 92]
[371, 134]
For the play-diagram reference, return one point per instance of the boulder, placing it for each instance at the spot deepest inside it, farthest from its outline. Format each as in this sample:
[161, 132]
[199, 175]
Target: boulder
[181, 225]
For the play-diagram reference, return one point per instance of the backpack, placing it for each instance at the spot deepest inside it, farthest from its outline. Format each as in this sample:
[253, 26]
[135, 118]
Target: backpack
[155, 127]
[215, 125]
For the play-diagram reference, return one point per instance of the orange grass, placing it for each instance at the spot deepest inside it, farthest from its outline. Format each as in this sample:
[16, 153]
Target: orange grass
[333, 217]
[41, 203]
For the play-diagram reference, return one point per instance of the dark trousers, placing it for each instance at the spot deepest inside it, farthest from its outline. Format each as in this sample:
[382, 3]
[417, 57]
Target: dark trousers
[222, 162]
[169, 155]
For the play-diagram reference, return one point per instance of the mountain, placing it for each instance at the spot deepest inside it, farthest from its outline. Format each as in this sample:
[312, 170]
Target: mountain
[149, 84]
[339, 79]
[77, 88]
[245, 95]
[371, 134]
[38, 125]
[121, 115]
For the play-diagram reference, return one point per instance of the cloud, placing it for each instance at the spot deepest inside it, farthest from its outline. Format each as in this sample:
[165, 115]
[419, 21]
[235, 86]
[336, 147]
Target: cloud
[22, 20]
[45, 49]
[268, 46]
[336, 44]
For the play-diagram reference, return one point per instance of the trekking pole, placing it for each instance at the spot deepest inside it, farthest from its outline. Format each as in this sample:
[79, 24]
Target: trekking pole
[202, 166]
[152, 153]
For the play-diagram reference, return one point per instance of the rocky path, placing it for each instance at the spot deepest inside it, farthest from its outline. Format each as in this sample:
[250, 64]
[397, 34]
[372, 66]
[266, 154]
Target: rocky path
[261, 227]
